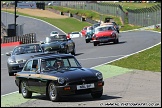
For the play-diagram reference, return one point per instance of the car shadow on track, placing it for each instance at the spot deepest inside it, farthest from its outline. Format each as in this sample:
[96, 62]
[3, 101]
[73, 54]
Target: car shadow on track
[76, 98]
[78, 54]
[101, 44]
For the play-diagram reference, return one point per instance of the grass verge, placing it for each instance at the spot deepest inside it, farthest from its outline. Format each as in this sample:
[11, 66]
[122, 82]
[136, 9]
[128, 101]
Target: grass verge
[149, 60]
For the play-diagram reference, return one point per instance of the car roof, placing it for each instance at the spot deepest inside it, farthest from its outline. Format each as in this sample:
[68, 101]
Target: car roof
[104, 26]
[50, 55]
[54, 31]
[110, 23]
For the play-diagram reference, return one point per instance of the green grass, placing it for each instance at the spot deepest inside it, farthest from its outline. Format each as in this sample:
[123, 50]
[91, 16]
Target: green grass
[71, 24]
[66, 24]
[149, 60]
[95, 15]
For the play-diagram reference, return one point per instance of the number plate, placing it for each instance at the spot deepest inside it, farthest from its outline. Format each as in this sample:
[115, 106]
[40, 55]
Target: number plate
[85, 86]
[104, 40]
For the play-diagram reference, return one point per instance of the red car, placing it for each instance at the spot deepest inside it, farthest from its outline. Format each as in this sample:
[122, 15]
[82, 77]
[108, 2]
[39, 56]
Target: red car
[104, 34]
[84, 30]
[68, 36]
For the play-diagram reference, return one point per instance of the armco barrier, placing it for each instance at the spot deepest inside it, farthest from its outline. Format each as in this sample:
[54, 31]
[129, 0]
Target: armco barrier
[25, 39]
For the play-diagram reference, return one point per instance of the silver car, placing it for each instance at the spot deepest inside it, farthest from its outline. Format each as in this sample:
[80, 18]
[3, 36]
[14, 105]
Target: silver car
[19, 56]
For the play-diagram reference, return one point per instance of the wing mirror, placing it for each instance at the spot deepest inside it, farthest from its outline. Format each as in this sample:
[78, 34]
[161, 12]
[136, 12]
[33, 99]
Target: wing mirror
[8, 54]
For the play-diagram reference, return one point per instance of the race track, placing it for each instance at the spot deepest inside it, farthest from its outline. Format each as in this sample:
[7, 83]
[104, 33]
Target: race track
[89, 56]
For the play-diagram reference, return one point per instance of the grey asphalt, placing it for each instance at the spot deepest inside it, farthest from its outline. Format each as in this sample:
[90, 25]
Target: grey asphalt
[90, 56]
[41, 29]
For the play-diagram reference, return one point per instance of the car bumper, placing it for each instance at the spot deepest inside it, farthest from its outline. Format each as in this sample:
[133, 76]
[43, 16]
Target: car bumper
[56, 50]
[72, 89]
[14, 68]
[104, 40]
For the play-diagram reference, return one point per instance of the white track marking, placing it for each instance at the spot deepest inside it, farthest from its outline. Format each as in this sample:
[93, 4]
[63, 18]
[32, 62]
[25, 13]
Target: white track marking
[101, 57]
[128, 55]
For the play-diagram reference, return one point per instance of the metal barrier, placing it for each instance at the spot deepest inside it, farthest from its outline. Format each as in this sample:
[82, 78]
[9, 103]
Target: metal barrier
[111, 9]
[25, 39]
[139, 17]
[91, 21]
[145, 16]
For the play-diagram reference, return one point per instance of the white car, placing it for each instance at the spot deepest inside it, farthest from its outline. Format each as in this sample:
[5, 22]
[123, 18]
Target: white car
[75, 34]
[54, 33]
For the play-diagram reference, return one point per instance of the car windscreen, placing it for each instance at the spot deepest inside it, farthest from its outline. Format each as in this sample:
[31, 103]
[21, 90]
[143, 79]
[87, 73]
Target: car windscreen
[75, 33]
[49, 64]
[54, 32]
[56, 38]
[33, 48]
[89, 29]
[85, 28]
[96, 25]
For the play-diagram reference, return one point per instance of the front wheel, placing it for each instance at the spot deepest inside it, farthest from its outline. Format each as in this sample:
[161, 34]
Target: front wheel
[24, 91]
[95, 43]
[87, 41]
[116, 41]
[67, 51]
[73, 52]
[52, 92]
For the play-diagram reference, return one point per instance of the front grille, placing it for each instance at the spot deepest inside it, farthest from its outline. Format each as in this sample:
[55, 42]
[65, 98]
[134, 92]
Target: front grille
[16, 68]
[85, 91]
[104, 37]
[20, 61]
[79, 82]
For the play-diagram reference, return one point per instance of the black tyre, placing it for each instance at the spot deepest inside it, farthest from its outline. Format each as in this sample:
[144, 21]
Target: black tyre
[52, 92]
[116, 41]
[67, 51]
[73, 52]
[97, 95]
[11, 74]
[95, 44]
[87, 41]
[24, 91]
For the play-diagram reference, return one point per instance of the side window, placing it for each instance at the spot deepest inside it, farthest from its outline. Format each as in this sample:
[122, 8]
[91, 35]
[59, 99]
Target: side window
[72, 62]
[35, 65]
[66, 63]
[113, 28]
[109, 28]
[28, 66]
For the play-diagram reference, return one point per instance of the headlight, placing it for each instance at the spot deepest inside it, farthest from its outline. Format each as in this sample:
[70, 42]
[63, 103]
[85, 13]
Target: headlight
[62, 46]
[99, 75]
[21, 61]
[12, 61]
[61, 80]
